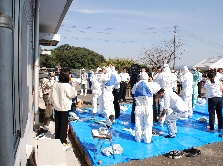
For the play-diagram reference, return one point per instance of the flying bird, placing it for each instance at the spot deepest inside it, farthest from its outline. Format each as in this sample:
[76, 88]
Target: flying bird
[88, 27]
[108, 28]
[73, 26]
[82, 31]
[150, 28]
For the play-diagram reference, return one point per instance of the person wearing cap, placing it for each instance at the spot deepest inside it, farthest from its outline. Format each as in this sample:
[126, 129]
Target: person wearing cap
[187, 83]
[143, 93]
[84, 77]
[96, 80]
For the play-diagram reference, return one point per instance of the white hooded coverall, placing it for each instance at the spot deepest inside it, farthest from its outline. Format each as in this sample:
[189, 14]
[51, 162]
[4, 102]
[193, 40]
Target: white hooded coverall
[166, 81]
[143, 93]
[108, 83]
[187, 90]
[96, 80]
[175, 102]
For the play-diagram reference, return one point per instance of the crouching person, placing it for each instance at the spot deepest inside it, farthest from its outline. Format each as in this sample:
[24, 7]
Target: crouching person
[174, 102]
[143, 93]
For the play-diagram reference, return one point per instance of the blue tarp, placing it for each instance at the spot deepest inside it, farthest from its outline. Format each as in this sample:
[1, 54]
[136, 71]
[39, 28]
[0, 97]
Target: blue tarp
[191, 133]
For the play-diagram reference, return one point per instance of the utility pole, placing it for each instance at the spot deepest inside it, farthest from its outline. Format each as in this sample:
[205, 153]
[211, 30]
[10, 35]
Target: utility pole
[174, 47]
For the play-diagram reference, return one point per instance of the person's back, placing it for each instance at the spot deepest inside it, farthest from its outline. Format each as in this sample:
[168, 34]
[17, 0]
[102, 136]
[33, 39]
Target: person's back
[143, 92]
[167, 80]
[187, 81]
[173, 101]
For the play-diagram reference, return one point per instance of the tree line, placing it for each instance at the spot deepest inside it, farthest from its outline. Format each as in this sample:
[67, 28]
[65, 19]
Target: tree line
[77, 58]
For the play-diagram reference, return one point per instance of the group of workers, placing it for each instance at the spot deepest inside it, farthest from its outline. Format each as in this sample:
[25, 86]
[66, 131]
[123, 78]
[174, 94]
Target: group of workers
[108, 87]
[162, 84]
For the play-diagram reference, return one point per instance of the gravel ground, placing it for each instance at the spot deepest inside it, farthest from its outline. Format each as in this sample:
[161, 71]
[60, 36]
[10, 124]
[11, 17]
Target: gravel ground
[211, 154]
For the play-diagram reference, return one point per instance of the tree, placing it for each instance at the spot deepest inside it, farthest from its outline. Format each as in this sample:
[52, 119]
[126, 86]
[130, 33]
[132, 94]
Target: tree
[159, 55]
[72, 57]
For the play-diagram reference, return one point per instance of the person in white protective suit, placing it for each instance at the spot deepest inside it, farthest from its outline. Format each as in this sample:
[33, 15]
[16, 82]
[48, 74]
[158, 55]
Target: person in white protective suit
[166, 81]
[108, 82]
[96, 80]
[179, 110]
[187, 89]
[143, 93]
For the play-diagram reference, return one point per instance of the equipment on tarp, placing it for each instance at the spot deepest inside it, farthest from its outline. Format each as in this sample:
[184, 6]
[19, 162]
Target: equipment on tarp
[103, 134]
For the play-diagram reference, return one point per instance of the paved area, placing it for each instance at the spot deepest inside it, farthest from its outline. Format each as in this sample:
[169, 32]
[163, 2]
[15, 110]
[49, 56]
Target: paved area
[70, 157]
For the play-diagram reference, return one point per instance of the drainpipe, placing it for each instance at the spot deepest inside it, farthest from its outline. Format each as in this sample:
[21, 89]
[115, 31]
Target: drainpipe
[6, 86]
[36, 65]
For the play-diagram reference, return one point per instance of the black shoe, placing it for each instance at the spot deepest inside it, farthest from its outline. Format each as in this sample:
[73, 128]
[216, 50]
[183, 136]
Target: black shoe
[170, 155]
[168, 136]
[177, 154]
[194, 153]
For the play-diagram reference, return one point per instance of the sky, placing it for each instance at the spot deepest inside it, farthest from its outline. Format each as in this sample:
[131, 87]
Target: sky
[126, 28]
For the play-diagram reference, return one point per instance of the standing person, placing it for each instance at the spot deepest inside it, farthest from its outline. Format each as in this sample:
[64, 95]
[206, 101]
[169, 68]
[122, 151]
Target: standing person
[199, 82]
[96, 80]
[115, 93]
[187, 83]
[133, 80]
[61, 95]
[219, 74]
[154, 71]
[90, 73]
[179, 110]
[175, 80]
[195, 87]
[214, 88]
[155, 101]
[46, 86]
[143, 93]
[179, 84]
[108, 83]
[157, 74]
[84, 82]
[123, 84]
[166, 80]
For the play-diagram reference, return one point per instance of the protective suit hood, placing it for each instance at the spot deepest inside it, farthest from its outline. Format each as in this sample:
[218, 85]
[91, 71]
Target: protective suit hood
[108, 70]
[144, 76]
[185, 70]
[166, 68]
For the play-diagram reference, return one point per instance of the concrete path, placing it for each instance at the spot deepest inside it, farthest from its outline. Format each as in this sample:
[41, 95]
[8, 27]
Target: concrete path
[70, 157]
